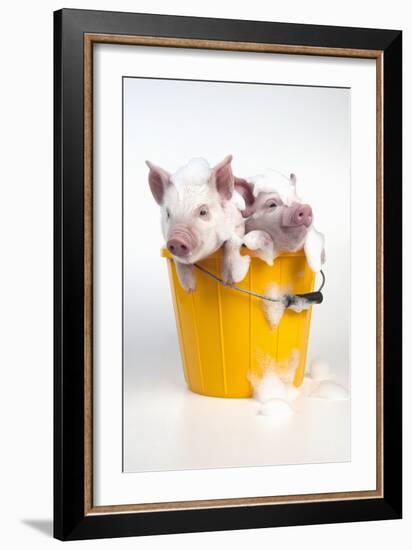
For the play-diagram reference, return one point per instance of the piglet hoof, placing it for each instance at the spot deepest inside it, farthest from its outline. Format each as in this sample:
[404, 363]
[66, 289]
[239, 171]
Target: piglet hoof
[240, 268]
[226, 276]
[266, 257]
[261, 242]
[189, 286]
[186, 277]
[189, 289]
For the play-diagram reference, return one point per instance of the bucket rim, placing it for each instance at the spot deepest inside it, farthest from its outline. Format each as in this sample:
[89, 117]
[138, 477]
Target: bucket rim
[164, 253]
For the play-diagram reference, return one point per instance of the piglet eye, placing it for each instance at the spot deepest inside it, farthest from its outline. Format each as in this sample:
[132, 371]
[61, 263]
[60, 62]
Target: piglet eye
[167, 213]
[272, 204]
[203, 212]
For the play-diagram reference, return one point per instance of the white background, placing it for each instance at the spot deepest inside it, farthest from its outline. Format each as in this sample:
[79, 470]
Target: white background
[26, 275]
[300, 129]
[297, 129]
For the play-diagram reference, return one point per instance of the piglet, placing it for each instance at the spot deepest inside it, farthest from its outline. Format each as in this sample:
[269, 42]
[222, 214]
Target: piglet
[198, 216]
[277, 220]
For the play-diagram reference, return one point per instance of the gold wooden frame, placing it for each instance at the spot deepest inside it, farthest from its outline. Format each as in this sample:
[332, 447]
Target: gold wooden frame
[89, 40]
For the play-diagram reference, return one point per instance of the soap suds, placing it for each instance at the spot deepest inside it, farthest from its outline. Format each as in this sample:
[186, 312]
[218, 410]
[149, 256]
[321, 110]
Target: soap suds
[320, 383]
[329, 390]
[278, 408]
[320, 370]
[269, 386]
[274, 181]
[273, 310]
[273, 387]
[315, 249]
[299, 304]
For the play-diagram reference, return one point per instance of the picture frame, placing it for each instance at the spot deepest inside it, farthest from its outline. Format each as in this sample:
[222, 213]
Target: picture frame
[76, 32]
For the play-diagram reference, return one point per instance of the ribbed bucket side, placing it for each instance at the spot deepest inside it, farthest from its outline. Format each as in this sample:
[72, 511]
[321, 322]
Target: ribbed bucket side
[224, 333]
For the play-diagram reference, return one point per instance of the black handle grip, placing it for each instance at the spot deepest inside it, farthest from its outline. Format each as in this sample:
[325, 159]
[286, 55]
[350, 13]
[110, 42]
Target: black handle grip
[312, 297]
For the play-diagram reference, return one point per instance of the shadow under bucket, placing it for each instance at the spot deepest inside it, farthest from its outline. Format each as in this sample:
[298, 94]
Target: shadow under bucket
[223, 332]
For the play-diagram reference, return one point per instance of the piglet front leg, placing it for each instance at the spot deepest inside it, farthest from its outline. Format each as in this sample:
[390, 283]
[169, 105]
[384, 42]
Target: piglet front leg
[234, 265]
[262, 243]
[185, 273]
[315, 249]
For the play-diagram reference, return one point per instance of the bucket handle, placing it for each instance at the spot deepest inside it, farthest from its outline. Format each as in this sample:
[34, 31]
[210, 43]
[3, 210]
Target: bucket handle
[288, 300]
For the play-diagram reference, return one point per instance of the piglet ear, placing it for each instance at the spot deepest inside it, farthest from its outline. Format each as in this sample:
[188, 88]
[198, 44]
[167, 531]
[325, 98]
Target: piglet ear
[245, 189]
[159, 180]
[223, 177]
[292, 178]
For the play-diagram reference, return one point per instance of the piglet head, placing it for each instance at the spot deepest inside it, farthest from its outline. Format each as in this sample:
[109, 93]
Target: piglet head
[266, 210]
[192, 204]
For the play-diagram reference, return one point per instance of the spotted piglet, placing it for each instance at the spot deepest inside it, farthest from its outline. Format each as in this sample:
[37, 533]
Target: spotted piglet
[198, 216]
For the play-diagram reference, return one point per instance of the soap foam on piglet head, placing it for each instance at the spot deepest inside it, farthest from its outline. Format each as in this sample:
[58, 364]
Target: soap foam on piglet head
[199, 215]
[277, 220]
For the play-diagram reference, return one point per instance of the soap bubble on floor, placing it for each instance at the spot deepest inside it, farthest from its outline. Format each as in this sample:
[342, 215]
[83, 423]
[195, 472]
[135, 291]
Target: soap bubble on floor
[273, 388]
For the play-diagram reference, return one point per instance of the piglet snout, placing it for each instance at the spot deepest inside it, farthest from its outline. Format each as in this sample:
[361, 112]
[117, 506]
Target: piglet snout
[303, 215]
[298, 215]
[181, 241]
[178, 247]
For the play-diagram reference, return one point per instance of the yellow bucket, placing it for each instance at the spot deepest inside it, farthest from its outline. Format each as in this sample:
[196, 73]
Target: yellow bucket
[222, 332]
